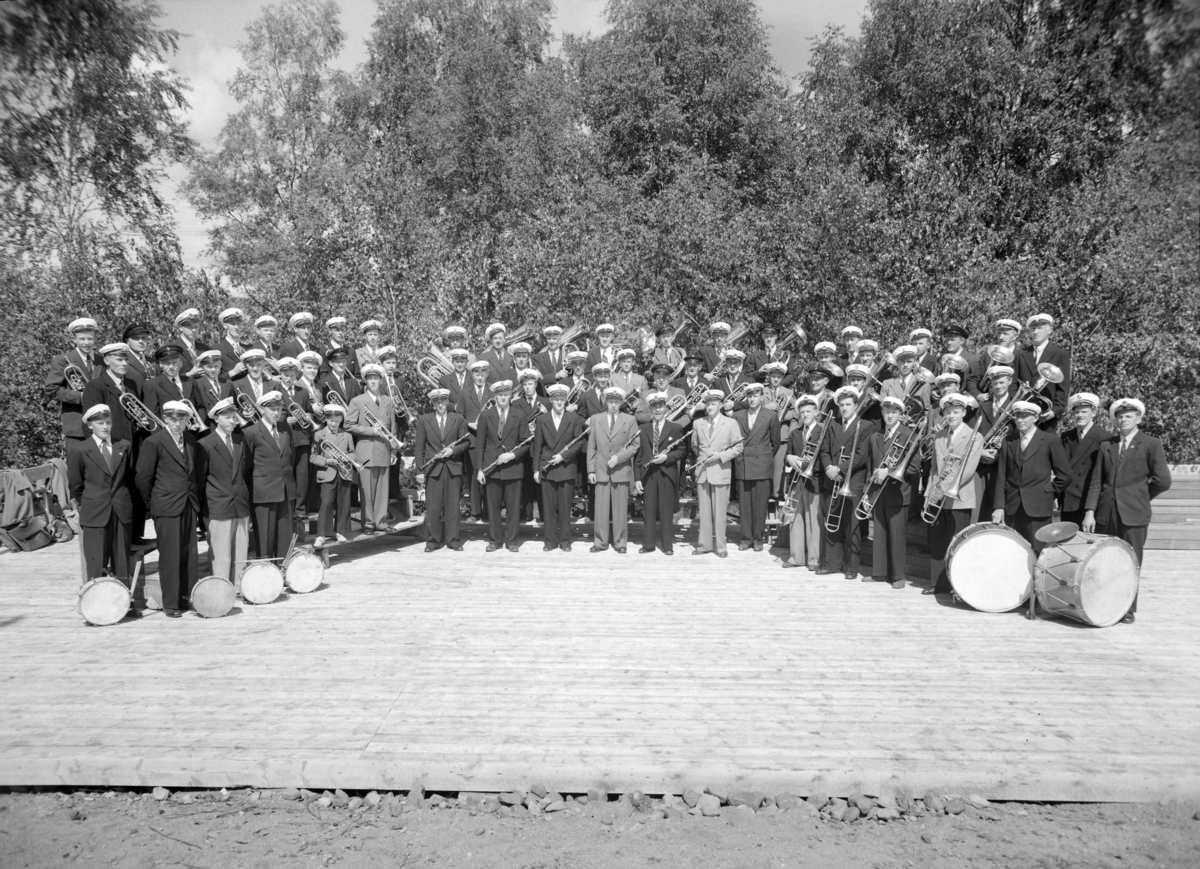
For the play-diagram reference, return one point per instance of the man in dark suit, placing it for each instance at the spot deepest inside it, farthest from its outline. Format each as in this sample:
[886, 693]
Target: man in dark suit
[108, 387]
[662, 446]
[922, 340]
[185, 337]
[337, 384]
[60, 388]
[1031, 470]
[336, 329]
[592, 402]
[232, 320]
[141, 366]
[603, 350]
[692, 377]
[1040, 351]
[847, 453]
[207, 387]
[500, 361]
[302, 426]
[995, 408]
[470, 405]
[552, 360]
[1083, 444]
[734, 377]
[557, 443]
[804, 535]
[300, 324]
[459, 378]
[711, 353]
[171, 384]
[755, 467]
[954, 339]
[497, 448]
[889, 552]
[168, 478]
[225, 505]
[441, 442]
[99, 474]
[1130, 472]
[272, 485]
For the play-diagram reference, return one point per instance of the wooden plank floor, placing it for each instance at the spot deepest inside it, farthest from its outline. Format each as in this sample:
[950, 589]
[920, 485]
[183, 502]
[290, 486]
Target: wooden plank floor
[487, 671]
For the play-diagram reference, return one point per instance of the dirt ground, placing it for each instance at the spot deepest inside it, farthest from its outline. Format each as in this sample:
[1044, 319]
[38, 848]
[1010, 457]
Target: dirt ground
[264, 829]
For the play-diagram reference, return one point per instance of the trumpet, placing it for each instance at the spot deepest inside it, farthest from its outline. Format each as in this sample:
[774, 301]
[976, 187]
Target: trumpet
[248, 408]
[692, 467]
[194, 422]
[302, 417]
[75, 377]
[895, 463]
[833, 521]
[317, 413]
[398, 399]
[394, 443]
[345, 465]
[629, 405]
[142, 416]
[946, 484]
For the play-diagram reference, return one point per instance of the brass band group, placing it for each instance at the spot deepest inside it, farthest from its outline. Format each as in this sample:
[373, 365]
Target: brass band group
[240, 440]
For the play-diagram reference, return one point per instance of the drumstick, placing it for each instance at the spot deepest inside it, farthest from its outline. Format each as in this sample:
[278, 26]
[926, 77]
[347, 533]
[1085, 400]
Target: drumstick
[291, 546]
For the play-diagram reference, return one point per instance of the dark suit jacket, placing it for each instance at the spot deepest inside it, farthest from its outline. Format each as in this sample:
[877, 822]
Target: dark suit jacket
[711, 356]
[594, 357]
[430, 441]
[673, 439]
[223, 477]
[269, 464]
[1024, 479]
[1026, 371]
[549, 441]
[591, 404]
[348, 390]
[292, 347]
[499, 369]
[56, 388]
[550, 367]
[836, 451]
[231, 355]
[1083, 463]
[490, 442]
[301, 436]
[242, 386]
[757, 461]
[167, 480]
[99, 492]
[140, 372]
[204, 395]
[969, 379]
[1127, 484]
[896, 493]
[324, 349]
[450, 381]
[160, 390]
[103, 390]
[470, 403]
[728, 384]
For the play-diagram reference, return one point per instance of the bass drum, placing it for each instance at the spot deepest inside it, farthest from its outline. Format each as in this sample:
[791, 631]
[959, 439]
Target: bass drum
[1090, 578]
[304, 572]
[261, 582]
[990, 567]
[104, 601]
[213, 597]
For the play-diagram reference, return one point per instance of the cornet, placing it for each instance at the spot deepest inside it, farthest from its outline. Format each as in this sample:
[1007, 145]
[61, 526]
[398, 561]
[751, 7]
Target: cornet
[248, 408]
[393, 442]
[345, 465]
[75, 378]
[141, 415]
[302, 417]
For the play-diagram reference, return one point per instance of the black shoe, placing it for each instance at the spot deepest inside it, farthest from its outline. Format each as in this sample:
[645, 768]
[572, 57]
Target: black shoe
[172, 614]
[432, 547]
[645, 549]
[513, 548]
[620, 550]
[701, 551]
[1128, 618]
[851, 576]
[824, 571]
[668, 552]
[565, 547]
[492, 547]
[134, 613]
[457, 547]
[546, 547]
[788, 564]
[596, 548]
[758, 547]
[743, 546]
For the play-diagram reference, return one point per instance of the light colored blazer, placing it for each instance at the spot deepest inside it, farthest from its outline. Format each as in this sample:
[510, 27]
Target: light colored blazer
[602, 445]
[721, 438]
[970, 486]
[369, 448]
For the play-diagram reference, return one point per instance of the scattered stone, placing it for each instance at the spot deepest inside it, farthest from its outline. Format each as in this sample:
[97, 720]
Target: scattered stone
[836, 809]
[718, 792]
[691, 797]
[185, 798]
[437, 800]
[597, 795]
[491, 805]
[223, 796]
[887, 801]
[934, 803]
[396, 808]
[768, 808]
[583, 799]
[606, 819]
[518, 811]
[355, 804]
[928, 838]
[78, 815]
[740, 814]
[552, 797]
[709, 805]
[575, 808]
[512, 799]
[787, 801]
[254, 796]
[863, 803]
[977, 801]
[904, 802]
[341, 799]
[470, 799]
[160, 794]
[887, 814]
[539, 790]
[671, 800]
[306, 794]
[530, 801]
[325, 802]
[416, 794]
[622, 808]
[752, 799]
[672, 814]
[818, 801]
[872, 814]
[852, 814]
[807, 809]
[955, 807]
[373, 799]
[554, 806]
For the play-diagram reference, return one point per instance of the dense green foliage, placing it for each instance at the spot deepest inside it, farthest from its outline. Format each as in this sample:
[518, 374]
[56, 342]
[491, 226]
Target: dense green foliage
[956, 161]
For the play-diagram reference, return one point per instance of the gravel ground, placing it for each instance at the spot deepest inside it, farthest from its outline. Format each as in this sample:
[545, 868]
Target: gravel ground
[246, 828]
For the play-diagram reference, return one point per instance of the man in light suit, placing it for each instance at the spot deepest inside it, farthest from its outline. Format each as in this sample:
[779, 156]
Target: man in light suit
[373, 449]
[908, 385]
[716, 441]
[495, 455]
[1083, 444]
[958, 439]
[804, 535]
[1042, 350]
[268, 444]
[557, 443]
[1032, 468]
[612, 446]
[225, 496]
[1130, 473]
[99, 476]
[441, 443]
[663, 446]
[755, 467]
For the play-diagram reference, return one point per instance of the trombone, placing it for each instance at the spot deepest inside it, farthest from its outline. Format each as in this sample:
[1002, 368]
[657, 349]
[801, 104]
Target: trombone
[398, 399]
[948, 481]
[142, 416]
[895, 463]
[345, 464]
[808, 459]
[833, 520]
[194, 422]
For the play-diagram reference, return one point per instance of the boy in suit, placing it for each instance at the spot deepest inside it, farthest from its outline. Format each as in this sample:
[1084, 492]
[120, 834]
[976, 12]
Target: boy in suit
[556, 444]
[268, 445]
[716, 441]
[334, 479]
[612, 445]
[225, 505]
[470, 405]
[141, 366]
[1032, 468]
[664, 444]
[207, 387]
[230, 345]
[1083, 444]
[337, 384]
[302, 431]
[441, 440]
[456, 381]
[755, 467]
[497, 448]
[374, 451]
[171, 384]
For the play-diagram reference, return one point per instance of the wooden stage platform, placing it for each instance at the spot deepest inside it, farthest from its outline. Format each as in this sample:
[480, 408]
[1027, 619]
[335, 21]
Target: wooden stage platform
[488, 671]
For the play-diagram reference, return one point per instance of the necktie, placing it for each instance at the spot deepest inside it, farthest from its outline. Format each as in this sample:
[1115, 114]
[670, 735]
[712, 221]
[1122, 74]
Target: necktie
[503, 419]
[106, 449]
[179, 386]
[612, 421]
[442, 425]
[228, 443]
[657, 435]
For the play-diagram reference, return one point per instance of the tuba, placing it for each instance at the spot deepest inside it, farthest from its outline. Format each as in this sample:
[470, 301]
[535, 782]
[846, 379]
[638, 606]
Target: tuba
[434, 366]
[782, 354]
[141, 415]
[524, 332]
[570, 335]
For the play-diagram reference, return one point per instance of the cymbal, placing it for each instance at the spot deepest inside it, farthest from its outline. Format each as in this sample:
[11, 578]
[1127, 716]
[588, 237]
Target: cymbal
[1056, 532]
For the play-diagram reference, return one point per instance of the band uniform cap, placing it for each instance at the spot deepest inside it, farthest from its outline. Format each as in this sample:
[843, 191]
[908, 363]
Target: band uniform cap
[201, 358]
[720, 326]
[333, 407]
[250, 355]
[601, 367]
[614, 392]
[135, 329]
[802, 400]
[493, 329]
[288, 362]
[846, 391]
[169, 351]
[1000, 371]
[859, 369]
[868, 344]
[768, 329]
[948, 377]
[115, 347]
[520, 347]
[820, 370]
[825, 346]
[656, 398]
[173, 407]
[311, 356]
[451, 331]
[230, 314]
[386, 352]
[905, 351]
[960, 398]
[186, 315]
[502, 386]
[558, 390]
[1020, 407]
[605, 327]
[552, 330]
[626, 353]
[664, 330]
[1039, 318]
[335, 321]
[956, 329]
[734, 353]
[576, 356]
[438, 394]
[337, 353]
[892, 401]
[97, 410]
[81, 324]
[714, 395]
[693, 357]
[272, 397]
[1008, 324]
[369, 326]
[775, 368]
[265, 320]
[852, 330]
[753, 387]
[479, 365]
[1123, 404]
[373, 368]
[226, 403]
[300, 318]
[1083, 398]
[459, 353]
[919, 332]
[661, 366]
[528, 374]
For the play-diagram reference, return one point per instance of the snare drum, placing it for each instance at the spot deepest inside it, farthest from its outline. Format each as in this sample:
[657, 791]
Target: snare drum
[1088, 577]
[104, 601]
[261, 582]
[990, 567]
[213, 597]
[304, 572]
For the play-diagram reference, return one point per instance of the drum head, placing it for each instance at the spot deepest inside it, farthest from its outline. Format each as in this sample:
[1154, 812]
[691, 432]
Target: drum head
[213, 597]
[262, 583]
[304, 573]
[104, 601]
[991, 567]
[1108, 582]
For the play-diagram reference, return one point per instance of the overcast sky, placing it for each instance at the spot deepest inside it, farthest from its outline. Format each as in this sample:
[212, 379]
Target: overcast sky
[211, 30]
